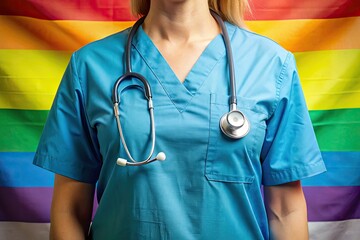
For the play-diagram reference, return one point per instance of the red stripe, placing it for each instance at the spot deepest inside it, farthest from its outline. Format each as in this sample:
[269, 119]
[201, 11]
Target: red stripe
[94, 10]
[110, 10]
[303, 9]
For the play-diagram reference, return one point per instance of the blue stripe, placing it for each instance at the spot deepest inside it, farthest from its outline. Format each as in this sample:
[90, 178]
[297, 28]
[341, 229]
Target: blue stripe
[17, 170]
[343, 169]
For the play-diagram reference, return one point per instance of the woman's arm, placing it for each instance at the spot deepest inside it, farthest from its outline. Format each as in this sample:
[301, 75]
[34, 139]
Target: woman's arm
[286, 210]
[71, 209]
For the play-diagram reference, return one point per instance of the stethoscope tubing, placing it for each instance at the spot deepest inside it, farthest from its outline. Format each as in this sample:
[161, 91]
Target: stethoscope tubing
[118, 121]
[147, 92]
[230, 58]
[229, 130]
[133, 31]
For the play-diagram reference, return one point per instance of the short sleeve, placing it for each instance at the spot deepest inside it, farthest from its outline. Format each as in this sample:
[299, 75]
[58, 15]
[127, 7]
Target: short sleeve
[68, 145]
[290, 151]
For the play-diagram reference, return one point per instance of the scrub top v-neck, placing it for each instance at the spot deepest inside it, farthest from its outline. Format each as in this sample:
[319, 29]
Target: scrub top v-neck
[209, 187]
[179, 93]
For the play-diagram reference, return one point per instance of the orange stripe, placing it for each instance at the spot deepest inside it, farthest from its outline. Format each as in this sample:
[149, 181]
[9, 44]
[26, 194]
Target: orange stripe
[295, 35]
[312, 35]
[64, 35]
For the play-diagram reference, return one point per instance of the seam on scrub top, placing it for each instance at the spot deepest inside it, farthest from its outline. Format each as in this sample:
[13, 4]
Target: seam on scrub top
[53, 166]
[283, 67]
[211, 70]
[96, 152]
[223, 54]
[279, 83]
[82, 90]
[280, 173]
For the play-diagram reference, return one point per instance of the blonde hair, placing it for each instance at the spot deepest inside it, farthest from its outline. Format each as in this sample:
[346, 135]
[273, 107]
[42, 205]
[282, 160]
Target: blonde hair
[230, 10]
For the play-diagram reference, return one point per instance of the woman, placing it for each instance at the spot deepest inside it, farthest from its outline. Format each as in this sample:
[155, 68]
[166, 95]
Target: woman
[209, 187]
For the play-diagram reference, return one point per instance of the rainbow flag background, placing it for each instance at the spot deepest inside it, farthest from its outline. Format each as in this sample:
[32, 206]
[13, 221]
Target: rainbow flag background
[38, 36]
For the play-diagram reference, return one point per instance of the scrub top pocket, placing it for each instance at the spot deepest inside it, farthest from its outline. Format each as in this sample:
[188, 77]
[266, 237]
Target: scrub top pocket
[233, 160]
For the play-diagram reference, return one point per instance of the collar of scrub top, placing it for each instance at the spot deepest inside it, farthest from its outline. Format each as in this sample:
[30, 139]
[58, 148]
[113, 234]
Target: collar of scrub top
[233, 124]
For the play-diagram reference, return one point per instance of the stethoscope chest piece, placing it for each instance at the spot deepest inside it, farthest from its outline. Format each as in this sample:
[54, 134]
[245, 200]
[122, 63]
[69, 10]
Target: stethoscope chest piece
[234, 124]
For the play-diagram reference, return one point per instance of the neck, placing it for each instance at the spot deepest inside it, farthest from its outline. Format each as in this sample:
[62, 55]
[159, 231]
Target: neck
[180, 21]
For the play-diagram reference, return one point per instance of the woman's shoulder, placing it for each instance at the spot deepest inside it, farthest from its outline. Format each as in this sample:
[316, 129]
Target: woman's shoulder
[257, 43]
[105, 46]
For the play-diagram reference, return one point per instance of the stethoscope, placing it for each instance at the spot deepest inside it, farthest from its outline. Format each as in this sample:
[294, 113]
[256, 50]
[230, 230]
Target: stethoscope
[233, 124]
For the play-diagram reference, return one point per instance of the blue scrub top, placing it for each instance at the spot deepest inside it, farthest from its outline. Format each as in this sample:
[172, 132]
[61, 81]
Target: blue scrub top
[209, 187]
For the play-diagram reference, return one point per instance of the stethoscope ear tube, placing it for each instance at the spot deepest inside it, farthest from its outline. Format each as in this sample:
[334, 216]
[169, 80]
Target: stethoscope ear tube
[129, 76]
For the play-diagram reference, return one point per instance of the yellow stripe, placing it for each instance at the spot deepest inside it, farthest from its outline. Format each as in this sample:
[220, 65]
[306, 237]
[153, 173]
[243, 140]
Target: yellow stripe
[29, 78]
[330, 79]
[295, 35]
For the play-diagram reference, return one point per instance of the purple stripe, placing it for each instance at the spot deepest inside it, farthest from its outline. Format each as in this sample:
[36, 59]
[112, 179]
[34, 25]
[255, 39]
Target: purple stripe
[324, 203]
[332, 203]
[25, 204]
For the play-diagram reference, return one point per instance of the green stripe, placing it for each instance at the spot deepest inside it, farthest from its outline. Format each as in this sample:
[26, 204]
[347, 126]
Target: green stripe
[21, 129]
[336, 130]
